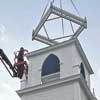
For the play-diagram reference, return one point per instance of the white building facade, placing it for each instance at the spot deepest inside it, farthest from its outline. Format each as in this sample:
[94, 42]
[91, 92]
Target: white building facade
[71, 81]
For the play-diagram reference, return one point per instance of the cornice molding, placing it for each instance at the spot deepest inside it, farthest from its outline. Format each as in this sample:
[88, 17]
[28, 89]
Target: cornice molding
[57, 83]
[48, 85]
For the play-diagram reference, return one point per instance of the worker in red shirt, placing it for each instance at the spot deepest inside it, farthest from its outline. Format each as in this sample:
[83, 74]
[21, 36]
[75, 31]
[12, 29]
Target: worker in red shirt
[20, 64]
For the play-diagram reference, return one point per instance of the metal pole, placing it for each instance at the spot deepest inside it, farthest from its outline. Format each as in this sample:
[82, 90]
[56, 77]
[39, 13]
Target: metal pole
[78, 31]
[45, 40]
[6, 67]
[71, 17]
[41, 23]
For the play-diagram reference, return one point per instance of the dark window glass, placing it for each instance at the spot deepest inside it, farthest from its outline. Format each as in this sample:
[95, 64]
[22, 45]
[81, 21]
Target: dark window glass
[82, 70]
[51, 65]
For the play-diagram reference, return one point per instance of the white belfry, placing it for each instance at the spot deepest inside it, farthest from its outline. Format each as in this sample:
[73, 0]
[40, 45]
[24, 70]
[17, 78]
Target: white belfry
[60, 71]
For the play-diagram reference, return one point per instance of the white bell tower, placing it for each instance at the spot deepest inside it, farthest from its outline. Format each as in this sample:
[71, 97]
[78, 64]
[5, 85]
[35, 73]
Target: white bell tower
[60, 71]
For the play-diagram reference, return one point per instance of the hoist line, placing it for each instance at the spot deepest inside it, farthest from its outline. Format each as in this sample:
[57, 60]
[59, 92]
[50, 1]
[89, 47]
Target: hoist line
[72, 27]
[46, 31]
[75, 7]
[62, 18]
[45, 9]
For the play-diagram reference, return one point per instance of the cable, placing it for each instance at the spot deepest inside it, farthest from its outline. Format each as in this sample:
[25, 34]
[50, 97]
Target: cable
[72, 26]
[45, 9]
[43, 15]
[75, 7]
[62, 18]
[53, 1]
[46, 31]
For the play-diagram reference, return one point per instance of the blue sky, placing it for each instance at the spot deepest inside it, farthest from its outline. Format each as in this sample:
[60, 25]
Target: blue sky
[19, 17]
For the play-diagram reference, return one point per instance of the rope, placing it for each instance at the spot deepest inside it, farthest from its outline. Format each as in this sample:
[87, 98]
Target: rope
[75, 7]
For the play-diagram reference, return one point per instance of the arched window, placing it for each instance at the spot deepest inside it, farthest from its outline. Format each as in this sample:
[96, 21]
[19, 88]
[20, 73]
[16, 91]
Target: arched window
[51, 65]
[82, 70]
